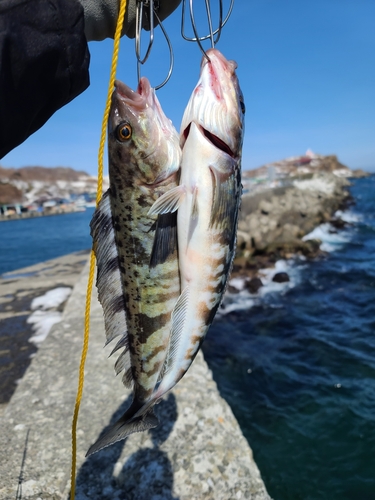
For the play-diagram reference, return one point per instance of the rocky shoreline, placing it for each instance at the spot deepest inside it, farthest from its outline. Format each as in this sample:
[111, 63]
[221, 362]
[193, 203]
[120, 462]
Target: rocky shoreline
[275, 223]
[213, 458]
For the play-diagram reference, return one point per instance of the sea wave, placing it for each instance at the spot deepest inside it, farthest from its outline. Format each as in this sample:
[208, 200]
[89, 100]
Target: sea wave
[331, 239]
[243, 299]
[348, 216]
[299, 371]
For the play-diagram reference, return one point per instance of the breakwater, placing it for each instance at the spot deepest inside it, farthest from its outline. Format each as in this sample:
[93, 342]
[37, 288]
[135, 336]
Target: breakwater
[198, 450]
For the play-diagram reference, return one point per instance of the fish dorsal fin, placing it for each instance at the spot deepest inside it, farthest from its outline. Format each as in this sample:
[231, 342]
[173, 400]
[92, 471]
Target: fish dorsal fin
[178, 322]
[109, 285]
[165, 240]
[122, 362]
[169, 201]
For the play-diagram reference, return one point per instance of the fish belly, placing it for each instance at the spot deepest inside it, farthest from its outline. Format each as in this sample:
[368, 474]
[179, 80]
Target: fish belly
[205, 257]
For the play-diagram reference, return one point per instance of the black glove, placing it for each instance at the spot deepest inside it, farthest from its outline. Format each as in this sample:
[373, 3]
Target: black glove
[101, 17]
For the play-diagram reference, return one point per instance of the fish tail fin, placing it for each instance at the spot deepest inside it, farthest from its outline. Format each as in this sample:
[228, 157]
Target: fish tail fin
[132, 421]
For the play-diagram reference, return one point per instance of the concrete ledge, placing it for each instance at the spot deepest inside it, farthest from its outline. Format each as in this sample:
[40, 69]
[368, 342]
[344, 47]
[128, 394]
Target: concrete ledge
[197, 452]
[17, 291]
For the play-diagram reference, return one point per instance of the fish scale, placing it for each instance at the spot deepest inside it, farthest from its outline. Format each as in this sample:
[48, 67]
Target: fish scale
[207, 201]
[138, 277]
[145, 318]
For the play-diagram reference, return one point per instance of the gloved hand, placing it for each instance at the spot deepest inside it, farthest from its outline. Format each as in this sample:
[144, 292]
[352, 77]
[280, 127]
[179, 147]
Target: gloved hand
[101, 17]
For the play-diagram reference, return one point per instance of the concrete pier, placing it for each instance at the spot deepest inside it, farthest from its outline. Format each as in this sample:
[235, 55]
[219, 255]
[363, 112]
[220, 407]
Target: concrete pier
[197, 452]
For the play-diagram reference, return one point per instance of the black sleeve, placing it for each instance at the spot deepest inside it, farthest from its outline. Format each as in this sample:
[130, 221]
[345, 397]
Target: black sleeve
[44, 62]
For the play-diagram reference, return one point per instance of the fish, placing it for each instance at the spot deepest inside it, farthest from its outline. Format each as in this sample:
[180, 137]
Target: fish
[138, 278]
[207, 201]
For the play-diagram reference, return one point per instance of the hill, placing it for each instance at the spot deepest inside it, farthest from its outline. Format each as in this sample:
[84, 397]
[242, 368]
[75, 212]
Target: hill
[33, 184]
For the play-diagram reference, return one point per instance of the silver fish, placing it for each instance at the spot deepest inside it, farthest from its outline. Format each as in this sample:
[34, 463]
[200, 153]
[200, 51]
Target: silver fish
[138, 278]
[208, 201]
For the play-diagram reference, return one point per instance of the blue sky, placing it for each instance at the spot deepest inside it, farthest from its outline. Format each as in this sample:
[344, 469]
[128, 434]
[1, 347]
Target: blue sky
[306, 68]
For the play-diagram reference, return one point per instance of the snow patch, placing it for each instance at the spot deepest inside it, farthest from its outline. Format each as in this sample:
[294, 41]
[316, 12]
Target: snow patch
[53, 298]
[317, 184]
[342, 172]
[42, 322]
[43, 318]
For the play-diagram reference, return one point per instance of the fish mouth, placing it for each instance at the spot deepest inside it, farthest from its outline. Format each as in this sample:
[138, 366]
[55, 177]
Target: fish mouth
[216, 58]
[214, 68]
[138, 99]
[212, 138]
[144, 88]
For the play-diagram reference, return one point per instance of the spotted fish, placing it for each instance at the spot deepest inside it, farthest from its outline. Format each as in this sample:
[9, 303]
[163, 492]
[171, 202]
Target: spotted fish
[137, 269]
[208, 201]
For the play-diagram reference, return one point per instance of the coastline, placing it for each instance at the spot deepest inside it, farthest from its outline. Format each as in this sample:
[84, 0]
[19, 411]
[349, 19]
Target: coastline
[273, 227]
[33, 215]
[186, 426]
[276, 224]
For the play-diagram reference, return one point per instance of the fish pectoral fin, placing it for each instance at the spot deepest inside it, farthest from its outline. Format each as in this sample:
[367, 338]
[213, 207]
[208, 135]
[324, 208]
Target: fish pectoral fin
[194, 204]
[169, 201]
[179, 314]
[224, 204]
[124, 427]
[165, 240]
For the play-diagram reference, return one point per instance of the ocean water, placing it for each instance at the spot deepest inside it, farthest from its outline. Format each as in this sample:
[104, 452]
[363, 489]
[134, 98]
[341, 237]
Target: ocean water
[25, 242]
[297, 365]
[296, 362]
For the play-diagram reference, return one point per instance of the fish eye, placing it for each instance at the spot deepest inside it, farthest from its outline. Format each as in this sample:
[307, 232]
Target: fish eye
[242, 104]
[123, 132]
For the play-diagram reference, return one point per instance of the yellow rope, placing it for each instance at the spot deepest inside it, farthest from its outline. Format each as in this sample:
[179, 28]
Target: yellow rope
[116, 47]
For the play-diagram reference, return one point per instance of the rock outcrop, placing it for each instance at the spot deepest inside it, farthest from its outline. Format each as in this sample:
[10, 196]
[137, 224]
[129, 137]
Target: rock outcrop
[274, 221]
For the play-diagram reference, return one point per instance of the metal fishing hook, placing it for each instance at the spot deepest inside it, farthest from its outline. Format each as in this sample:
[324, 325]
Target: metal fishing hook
[171, 57]
[212, 33]
[147, 12]
[139, 23]
[152, 7]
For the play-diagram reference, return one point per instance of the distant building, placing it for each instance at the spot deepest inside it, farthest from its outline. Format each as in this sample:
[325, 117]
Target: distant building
[12, 209]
